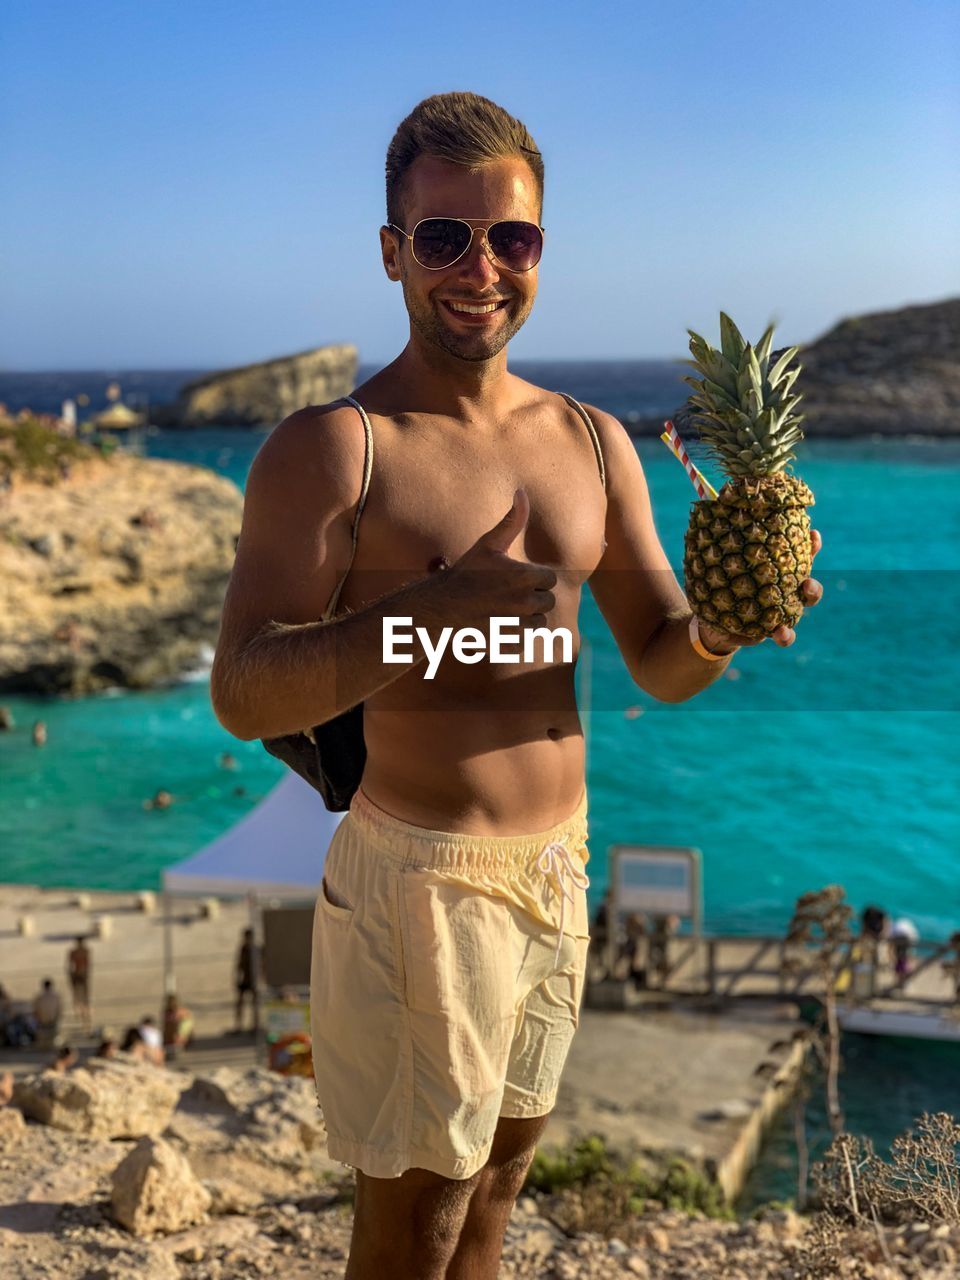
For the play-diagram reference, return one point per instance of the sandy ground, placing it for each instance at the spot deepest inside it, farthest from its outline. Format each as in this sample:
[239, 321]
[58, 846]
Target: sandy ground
[127, 967]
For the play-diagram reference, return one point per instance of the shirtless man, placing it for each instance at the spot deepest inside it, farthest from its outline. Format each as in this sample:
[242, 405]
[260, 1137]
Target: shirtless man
[446, 978]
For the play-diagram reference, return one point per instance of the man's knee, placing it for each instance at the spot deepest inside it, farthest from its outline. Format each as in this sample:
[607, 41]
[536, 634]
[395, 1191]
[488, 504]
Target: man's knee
[514, 1146]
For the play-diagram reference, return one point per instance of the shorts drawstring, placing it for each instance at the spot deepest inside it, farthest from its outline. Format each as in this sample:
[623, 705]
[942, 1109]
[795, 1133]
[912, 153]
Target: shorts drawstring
[555, 857]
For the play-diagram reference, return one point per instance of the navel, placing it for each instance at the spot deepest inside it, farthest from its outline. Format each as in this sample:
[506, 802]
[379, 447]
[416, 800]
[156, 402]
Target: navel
[553, 734]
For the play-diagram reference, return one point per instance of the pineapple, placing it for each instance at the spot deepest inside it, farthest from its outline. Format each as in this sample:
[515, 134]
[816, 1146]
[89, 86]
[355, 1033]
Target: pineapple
[747, 551]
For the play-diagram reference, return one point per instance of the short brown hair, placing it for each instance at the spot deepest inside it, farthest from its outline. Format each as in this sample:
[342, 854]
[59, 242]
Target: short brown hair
[463, 128]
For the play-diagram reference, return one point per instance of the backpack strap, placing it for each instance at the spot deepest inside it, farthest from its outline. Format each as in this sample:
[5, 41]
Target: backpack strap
[593, 435]
[364, 488]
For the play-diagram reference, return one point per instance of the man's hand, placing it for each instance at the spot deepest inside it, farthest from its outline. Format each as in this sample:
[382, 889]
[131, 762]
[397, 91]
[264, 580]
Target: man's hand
[811, 592]
[487, 582]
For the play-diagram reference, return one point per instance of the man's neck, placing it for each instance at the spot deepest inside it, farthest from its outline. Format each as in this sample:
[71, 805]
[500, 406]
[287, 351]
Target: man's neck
[433, 381]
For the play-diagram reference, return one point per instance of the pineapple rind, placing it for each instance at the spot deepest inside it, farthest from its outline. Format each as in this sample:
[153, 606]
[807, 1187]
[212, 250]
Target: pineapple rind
[747, 551]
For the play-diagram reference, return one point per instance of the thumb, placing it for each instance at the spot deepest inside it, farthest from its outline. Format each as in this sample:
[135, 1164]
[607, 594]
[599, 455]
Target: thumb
[503, 534]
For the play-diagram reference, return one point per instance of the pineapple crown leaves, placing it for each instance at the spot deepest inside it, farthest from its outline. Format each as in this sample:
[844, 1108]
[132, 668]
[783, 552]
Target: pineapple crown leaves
[741, 405]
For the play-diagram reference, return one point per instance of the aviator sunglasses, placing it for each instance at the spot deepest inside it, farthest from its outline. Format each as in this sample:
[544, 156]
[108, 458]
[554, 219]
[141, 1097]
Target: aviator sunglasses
[440, 242]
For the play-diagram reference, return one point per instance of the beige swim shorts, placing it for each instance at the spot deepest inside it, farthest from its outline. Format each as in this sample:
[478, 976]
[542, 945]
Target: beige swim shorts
[446, 980]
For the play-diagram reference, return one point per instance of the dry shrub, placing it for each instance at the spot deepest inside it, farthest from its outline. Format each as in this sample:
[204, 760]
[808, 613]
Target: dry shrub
[921, 1180]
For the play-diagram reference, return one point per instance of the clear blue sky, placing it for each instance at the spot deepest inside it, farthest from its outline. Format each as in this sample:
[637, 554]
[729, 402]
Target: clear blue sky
[201, 184]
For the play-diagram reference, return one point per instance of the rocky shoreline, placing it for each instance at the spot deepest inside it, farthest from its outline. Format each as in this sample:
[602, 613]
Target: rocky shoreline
[119, 1168]
[114, 574]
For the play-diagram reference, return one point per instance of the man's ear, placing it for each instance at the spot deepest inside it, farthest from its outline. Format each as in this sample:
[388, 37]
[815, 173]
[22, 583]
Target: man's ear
[391, 253]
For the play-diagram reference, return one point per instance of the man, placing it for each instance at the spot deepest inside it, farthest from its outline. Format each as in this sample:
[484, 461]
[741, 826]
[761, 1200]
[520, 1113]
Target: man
[78, 972]
[247, 980]
[451, 929]
[46, 1012]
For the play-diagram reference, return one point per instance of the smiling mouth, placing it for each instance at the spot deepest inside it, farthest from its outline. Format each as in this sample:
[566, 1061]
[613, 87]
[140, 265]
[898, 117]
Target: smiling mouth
[472, 317]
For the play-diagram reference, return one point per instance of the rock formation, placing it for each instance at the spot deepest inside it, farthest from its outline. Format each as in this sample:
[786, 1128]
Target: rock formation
[102, 1100]
[886, 373]
[153, 1189]
[889, 372]
[265, 392]
[114, 575]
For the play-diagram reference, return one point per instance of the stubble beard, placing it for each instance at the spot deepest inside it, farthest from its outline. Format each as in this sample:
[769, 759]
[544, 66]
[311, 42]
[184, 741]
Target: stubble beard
[477, 347]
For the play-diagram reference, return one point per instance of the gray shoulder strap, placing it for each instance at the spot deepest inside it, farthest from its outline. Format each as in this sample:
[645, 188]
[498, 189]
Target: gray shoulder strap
[593, 435]
[364, 487]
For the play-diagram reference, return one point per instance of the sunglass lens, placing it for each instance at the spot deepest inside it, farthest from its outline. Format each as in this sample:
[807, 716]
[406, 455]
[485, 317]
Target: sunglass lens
[439, 241]
[518, 245]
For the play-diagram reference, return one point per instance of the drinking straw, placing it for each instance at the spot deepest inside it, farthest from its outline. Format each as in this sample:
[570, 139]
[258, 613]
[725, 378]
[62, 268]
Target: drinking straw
[672, 440]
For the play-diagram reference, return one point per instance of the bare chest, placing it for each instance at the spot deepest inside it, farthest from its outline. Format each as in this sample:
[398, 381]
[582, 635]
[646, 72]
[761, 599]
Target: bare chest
[437, 486]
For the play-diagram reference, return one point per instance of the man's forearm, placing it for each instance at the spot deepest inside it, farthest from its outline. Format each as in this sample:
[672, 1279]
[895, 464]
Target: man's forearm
[671, 669]
[293, 677]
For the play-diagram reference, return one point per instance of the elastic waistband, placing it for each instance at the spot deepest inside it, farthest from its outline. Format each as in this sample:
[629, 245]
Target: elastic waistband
[411, 846]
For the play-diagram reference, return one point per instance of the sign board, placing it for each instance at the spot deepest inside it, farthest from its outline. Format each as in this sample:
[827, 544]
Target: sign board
[657, 880]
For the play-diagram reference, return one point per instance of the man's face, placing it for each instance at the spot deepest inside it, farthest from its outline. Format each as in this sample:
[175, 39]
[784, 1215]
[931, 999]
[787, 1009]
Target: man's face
[500, 190]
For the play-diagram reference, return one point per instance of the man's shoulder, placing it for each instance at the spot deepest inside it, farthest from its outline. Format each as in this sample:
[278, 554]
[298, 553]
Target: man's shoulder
[318, 445]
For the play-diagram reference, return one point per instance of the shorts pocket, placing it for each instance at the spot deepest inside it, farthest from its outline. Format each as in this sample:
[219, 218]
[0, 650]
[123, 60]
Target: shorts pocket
[332, 903]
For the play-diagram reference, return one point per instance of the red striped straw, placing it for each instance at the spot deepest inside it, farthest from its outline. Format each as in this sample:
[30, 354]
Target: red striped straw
[671, 439]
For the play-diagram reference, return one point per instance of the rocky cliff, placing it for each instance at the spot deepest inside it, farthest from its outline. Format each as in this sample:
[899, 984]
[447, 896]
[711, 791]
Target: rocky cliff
[114, 575]
[264, 392]
[885, 373]
[889, 372]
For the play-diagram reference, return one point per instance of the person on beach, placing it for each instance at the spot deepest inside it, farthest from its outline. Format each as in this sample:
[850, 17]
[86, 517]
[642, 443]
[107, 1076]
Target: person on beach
[152, 1039]
[634, 949]
[134, 1044]
[451, 930]
[600, 936]
[177, 1026]
[64, 1059]
[247, 981]
[78, 974]
[47, 1010]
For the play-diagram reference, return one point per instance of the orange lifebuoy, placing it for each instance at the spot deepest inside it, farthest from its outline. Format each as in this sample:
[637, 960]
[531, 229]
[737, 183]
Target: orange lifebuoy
[292, 1055]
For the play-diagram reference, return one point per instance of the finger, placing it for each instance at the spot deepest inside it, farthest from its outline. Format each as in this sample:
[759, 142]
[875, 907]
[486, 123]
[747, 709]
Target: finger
[811, 591]
[784, 636]
[503, 534]
[816, 542]
[543, 601]
[543, 577]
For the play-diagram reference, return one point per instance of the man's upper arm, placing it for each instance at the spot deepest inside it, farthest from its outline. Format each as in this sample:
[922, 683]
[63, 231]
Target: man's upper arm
[634, 586]
[296, 534]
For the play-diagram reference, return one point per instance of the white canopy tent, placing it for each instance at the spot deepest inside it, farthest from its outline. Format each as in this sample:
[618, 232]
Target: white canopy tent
[276, 851]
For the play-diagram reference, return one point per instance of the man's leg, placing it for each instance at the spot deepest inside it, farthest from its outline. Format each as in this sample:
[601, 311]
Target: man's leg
[477, 1256]
[407, 1228]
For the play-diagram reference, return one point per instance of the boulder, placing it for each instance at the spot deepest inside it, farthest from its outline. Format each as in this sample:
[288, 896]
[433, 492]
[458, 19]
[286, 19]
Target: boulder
[12, 1127]
[102, 1100]
[154, 1190]
[264, 392]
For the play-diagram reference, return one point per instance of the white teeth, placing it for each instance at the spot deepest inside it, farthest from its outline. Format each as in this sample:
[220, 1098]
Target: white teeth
[473, 311]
